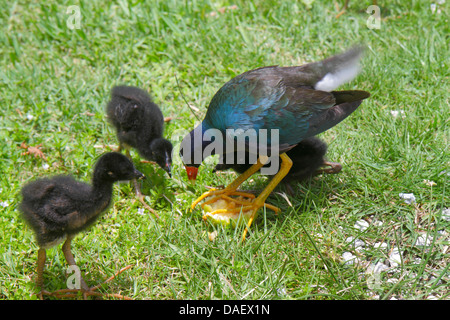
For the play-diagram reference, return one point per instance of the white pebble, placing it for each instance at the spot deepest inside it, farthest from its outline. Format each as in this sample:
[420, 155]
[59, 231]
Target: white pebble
[408, 197]
[377, 268]
[381, 245]
[396, 113]
[45, 166]
[392, 280]
[446, 214]
[395, 257]
[378, 223]
[361, 225]
[281, 291]
[349, 258]
[423, 240]
[357, 243]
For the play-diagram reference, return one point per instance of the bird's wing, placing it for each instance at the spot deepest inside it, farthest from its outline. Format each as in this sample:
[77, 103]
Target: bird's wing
[131, 93]
[287, 99]
[124, 108]
[262, 100]
[37, 190]
[68, 196]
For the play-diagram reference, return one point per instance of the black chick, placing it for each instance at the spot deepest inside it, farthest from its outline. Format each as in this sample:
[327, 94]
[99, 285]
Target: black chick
[140, 124]
[307, 160]
[60, 207]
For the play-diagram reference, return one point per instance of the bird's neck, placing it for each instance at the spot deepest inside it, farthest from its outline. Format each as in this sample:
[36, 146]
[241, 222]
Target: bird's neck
[100, 199]
[101, 190]
[199, 142]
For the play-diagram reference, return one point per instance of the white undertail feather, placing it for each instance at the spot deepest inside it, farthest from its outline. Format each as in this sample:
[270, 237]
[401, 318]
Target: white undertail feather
[344, 73]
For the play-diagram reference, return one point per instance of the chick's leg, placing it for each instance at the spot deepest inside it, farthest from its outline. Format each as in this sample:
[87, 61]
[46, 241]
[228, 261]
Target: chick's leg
[141, 199]
[66, 249]
[137, 188]
[40, 271]
[344, 8]
[83, 287]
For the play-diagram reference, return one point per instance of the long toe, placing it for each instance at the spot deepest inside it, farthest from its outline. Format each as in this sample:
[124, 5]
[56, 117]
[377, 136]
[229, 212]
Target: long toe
[141, 199]
[330, 168]
[210, 193]
[87, 292]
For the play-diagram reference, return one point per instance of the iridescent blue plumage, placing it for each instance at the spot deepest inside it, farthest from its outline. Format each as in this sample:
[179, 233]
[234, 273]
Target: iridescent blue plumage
[296, 101]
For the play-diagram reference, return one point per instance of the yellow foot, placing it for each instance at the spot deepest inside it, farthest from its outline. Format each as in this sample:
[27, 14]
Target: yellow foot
[231, 205]
[243, 202]
[225, 205]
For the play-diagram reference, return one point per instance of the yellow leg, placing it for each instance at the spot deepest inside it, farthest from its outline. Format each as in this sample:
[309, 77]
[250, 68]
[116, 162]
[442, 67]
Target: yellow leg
[286, 164]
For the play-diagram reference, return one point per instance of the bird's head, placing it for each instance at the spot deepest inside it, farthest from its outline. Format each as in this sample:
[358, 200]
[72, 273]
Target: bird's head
[162, 154]
[113, 166]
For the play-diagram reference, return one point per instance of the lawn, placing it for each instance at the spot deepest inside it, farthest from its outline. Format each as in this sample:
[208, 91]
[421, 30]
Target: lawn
[344, 236]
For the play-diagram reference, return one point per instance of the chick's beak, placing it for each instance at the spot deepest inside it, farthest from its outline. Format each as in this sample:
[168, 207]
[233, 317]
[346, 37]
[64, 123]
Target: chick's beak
[138, 174]
[168, 163]
[191, 173]
[168, 170]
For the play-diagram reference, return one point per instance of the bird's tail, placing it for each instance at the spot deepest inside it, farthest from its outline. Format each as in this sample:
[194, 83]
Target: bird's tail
[346, 103]
[349, 96]
[336, 70]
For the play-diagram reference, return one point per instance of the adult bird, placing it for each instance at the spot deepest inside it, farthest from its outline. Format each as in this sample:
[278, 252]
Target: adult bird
[288, 104]
[60, 207]
[139, 123]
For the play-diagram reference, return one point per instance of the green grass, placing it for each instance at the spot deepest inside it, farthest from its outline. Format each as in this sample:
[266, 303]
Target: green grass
[54, 85]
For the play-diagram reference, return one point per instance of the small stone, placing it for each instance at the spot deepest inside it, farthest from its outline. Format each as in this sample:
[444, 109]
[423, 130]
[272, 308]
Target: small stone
[349, 258]
[408, 197]
[423, 240]
[395, 257]
[361, 225]
[377, 268]
[380, 245]
[446, 214]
